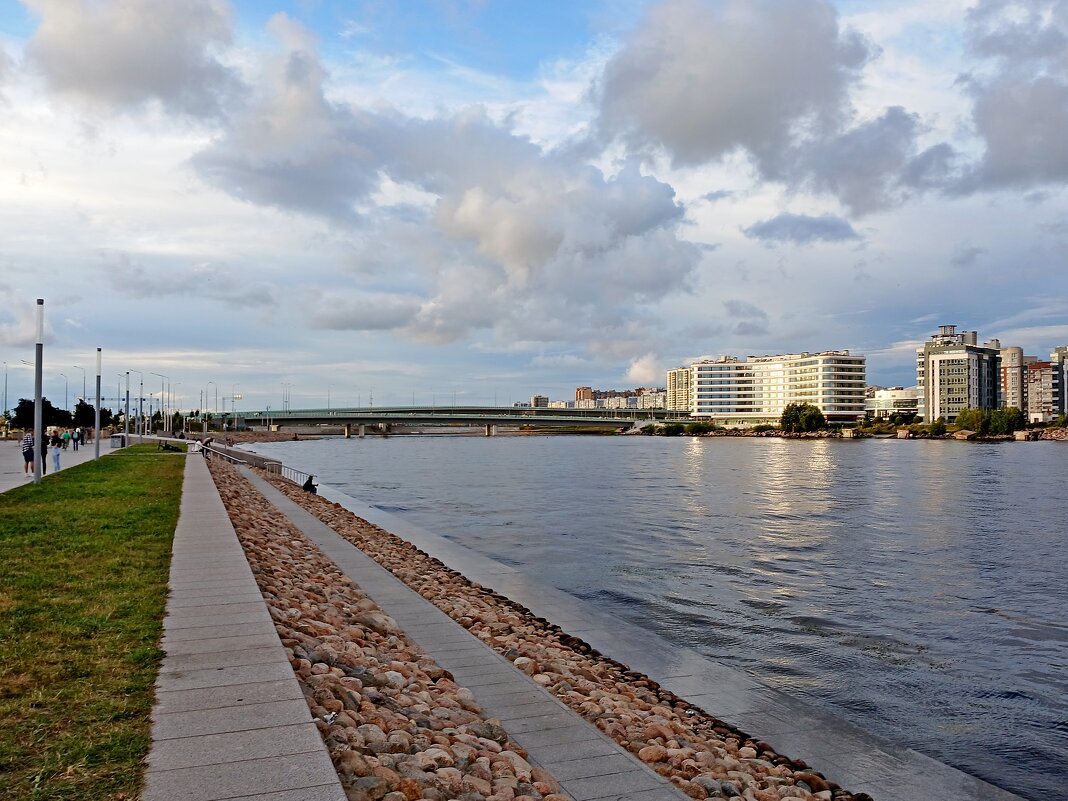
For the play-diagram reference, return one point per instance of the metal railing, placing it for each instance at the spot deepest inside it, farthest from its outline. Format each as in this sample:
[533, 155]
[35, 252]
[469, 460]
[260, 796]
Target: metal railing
[294, 475]
[209, 450]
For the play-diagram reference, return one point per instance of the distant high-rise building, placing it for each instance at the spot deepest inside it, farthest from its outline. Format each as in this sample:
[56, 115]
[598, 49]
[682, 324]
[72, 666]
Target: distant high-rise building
[1041, 403]
[954, 373]
[1059, 359]
[539, 402]
[757, 390]
[1013, 378]
[680, 389]
[584, 393]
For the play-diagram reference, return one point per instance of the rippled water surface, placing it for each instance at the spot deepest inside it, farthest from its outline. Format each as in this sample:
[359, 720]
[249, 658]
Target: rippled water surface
[918, 589]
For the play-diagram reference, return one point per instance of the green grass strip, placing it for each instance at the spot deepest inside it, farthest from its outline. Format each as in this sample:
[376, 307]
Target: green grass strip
[84, 558]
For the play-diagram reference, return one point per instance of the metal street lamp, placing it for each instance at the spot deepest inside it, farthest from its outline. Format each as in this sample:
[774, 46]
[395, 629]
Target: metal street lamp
[162, 396]
[66, 406]
[76, 367]
[140, 405]
[96, 416]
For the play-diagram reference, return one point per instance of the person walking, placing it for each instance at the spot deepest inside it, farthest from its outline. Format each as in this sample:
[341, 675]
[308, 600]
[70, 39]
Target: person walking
[75, 438]
[27, 453]
[44, 454]
[57, 447]
[65, 438]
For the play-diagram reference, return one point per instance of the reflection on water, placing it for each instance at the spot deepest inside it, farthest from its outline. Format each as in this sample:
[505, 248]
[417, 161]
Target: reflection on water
[916, 588]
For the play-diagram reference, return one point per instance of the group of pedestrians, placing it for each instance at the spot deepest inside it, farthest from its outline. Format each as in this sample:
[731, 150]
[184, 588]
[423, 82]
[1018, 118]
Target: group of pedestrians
[58, 441]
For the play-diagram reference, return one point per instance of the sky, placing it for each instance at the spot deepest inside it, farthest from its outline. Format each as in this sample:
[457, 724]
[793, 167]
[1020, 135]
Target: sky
[473, 201]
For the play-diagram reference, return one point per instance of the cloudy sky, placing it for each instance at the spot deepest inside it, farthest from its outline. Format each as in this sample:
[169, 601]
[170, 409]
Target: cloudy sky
[484, 199]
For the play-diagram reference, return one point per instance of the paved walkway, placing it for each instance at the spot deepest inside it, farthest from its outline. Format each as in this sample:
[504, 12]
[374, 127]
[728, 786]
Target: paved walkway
[230, 721]
[11, 463]
[856, 759]
[587, 764]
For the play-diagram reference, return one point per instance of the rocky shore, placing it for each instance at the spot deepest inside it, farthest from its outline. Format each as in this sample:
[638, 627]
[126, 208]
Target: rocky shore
[396, 726]
[704, 756]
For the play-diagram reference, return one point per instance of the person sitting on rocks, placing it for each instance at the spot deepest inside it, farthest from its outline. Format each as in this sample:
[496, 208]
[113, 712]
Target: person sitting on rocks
[308, 486]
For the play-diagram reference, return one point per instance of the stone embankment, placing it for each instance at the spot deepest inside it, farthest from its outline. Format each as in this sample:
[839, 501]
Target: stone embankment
[704, 756]
[396, 726]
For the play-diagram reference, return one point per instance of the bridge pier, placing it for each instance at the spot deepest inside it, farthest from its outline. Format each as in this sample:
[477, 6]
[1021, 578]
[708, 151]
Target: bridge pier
[362, 430]
[348, 430]
[491, 430]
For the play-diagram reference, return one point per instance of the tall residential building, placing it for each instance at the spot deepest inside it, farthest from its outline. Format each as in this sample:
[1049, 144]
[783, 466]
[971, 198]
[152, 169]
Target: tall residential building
[1013, 377]
[1041, 404]
[757, 390]
[680, 389]
[539, 402]
[1059, 360]
[584, 393]
[954, 372]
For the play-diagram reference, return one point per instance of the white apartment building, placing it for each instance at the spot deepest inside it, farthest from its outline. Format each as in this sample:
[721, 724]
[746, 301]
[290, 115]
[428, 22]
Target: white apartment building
[736, 393]
[652, 400]
[680, 390]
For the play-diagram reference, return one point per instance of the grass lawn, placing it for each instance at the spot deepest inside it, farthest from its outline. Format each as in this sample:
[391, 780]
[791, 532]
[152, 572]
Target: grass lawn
[84, 558]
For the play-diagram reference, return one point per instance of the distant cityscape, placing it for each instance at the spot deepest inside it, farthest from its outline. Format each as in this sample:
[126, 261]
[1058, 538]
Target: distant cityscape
[953, 372]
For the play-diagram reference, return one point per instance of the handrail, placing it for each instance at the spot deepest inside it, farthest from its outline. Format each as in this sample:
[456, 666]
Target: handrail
[207, 449]
[294, 475]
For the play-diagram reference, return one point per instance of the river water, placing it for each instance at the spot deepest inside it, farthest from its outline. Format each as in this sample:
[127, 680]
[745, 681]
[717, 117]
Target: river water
[918, 589]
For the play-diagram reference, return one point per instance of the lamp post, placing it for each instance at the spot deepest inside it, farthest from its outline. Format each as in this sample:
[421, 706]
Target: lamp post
[162, 415]
[328, 388]
[4, 410]
[76, 367]
[126, 414]
[38, 379]
[66, 385]
[140, 406]
[96, 417]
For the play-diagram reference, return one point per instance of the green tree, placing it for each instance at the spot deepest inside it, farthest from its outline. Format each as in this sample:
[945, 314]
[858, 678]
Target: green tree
[84, 414]
[977, 420]
[937, 428]
[798, 417]
[51, 416]
[1007, 420]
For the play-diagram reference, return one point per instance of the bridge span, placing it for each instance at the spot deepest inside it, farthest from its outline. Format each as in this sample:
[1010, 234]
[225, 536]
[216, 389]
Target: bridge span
[398, 418]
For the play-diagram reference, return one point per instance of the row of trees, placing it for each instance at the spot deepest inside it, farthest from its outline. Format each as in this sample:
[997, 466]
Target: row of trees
[992, 422]
[83, 416]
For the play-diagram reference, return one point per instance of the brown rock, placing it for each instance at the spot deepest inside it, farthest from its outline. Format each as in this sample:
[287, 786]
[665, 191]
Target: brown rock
[653, 753]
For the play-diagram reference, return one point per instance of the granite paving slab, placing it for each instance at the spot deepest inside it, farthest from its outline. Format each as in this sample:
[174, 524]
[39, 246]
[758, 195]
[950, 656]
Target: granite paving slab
[229, 720]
